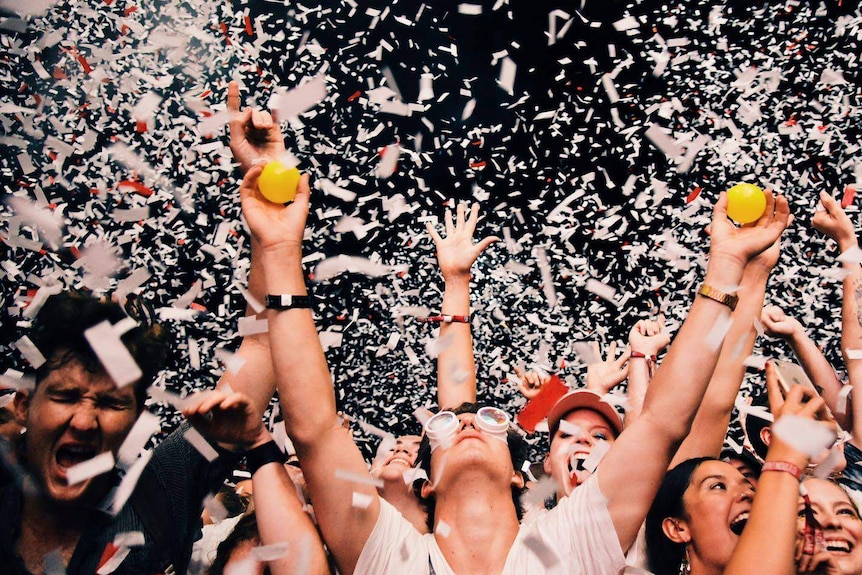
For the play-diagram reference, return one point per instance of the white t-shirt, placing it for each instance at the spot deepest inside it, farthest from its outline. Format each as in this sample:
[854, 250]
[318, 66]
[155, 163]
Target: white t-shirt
[577, 537]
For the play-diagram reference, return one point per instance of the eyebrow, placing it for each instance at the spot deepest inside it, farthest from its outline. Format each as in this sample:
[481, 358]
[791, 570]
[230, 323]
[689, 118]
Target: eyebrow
[708, 477]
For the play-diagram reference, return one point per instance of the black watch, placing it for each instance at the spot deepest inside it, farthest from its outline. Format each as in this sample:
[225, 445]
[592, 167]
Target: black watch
[286, 301]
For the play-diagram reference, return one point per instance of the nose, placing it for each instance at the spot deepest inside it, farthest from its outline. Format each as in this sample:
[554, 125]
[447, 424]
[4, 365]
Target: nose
[85, 418]
[468, 420]
[747, 494]
[828, 520]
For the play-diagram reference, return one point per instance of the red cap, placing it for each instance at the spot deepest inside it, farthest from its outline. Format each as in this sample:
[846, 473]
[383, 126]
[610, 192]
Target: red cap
[583, 399]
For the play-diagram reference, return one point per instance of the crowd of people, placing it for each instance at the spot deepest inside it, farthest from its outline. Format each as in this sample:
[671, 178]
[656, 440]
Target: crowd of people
[657, 489]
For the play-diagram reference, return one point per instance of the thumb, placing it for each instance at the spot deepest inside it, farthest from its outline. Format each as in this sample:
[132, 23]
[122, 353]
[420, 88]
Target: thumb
[482, 245]
[773, 390]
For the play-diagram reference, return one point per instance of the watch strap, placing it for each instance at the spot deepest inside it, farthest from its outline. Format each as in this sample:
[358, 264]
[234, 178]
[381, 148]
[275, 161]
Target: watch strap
[710, 292]
[287, 301]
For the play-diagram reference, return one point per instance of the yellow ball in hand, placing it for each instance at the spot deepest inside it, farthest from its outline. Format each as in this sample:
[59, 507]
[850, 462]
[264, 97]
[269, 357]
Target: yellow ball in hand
[745, 203]
[278, 183]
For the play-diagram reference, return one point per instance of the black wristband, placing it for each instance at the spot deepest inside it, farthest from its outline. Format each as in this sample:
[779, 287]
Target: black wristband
[262, 454]
[286, 301]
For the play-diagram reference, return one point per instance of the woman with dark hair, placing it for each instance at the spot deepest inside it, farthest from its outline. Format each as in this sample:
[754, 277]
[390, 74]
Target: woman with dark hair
[697, 517]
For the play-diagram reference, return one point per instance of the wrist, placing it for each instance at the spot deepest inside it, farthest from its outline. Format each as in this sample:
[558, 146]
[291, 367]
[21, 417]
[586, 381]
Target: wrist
[457, 279]
[724, 271]
[781, 452]
[845, 244]
[262, 436]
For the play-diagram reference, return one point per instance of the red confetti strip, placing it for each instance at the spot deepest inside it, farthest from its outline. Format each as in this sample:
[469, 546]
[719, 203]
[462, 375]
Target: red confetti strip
[480, 164]
[130, 10]
[141, 126]
[110, 550]
[137, 187]
[849, 196]
[223, 28]
[248, 27]
[354, 95]
[693, 195]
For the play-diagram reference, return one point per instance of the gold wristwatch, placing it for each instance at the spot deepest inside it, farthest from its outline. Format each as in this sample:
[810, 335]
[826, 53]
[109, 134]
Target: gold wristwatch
[727, 299]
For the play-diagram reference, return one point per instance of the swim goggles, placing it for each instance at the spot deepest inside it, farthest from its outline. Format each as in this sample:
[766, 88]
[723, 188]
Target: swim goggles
[442, 428]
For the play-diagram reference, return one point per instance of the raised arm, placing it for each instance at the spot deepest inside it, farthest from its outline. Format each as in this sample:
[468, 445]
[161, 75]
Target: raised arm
[768, 543]
[456, 367]
[681, 380]
[647, 339]
[713, 415]
[777, 324]
[254, 136]
[282, 520]
[833, 222]
[304, 382]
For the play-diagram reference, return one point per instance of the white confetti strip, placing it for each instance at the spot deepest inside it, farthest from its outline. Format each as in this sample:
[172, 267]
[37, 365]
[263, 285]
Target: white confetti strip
[112, 354]
[197, 441]
[102, 463]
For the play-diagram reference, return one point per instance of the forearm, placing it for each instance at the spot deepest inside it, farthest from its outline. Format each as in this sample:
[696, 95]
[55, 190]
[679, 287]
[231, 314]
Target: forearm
[851, 339]
[713, 416]
[638, 383]
[679, 384]
[281, 519]
[256, 378]
[767, 545]
[456, 367]
[304, 382]
[819, 369]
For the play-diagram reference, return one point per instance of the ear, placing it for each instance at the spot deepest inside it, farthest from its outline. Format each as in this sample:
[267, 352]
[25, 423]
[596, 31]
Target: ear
[518, 480]
[426, 490]
[766, 435]
[546, 465]
[676, 530]
[21, 407]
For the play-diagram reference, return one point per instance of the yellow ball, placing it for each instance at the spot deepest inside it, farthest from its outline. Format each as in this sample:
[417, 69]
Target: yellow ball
[278, 183]
[745, 203]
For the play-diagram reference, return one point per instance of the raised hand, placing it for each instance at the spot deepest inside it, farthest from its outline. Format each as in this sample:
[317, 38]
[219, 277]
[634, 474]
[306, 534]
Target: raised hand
[457, 252]
[531, 382]
[834, 222]
[274, 225]
[777, 324]
[254, 134]
[649, 337]
[609, 372]
[228, 418]
[742, 244]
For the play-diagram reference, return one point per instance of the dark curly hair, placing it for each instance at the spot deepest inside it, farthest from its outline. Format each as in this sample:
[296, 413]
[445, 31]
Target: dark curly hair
[58, 333]
[517, 450]
[665, 556]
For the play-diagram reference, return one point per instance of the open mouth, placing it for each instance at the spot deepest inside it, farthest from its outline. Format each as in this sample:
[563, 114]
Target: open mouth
[576, 463]
[71, 454]
[400, 461]
[838, 546]
[738, 524]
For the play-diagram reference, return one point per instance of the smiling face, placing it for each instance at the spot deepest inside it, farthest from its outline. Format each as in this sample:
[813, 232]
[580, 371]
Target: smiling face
[393, 462]
[572, 443]
[842, 527]
[716, 503]
[73, 416]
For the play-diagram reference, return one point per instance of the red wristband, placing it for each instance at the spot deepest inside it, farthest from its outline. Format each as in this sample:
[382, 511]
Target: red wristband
[637, 354]
[446, 319]
[783, 466]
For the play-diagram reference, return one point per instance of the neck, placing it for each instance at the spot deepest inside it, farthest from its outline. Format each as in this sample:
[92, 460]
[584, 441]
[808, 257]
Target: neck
[401, 497]
[700, 567]
[482, 524]
[47, 528]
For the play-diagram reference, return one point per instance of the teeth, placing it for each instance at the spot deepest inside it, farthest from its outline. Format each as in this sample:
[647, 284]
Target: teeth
[836, 545]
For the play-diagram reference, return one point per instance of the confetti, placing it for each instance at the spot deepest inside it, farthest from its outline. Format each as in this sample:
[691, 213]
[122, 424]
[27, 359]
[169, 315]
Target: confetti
[102, 463]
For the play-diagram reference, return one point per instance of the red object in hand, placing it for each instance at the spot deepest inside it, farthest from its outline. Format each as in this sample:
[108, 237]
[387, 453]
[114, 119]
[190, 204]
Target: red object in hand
[538, 408]
[849, 196]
